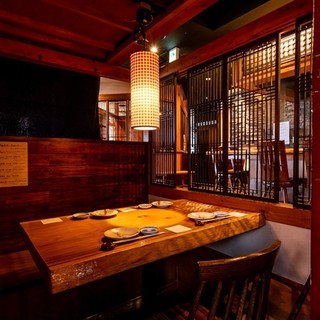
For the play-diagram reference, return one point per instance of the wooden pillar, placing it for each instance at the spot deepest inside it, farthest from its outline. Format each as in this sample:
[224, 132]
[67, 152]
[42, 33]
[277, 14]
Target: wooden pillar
[315, 209]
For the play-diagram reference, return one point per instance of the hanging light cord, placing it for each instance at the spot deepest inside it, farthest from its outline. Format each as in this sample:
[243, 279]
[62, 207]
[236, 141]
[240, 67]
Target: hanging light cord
[144, 17]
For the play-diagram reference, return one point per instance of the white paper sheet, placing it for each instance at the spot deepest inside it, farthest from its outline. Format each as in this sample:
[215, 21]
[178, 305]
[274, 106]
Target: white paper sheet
[237, 214]
[178, 228]
[51, 220]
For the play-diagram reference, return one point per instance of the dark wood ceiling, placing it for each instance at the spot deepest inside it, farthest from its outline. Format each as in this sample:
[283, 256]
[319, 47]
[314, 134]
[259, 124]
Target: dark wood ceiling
[95, 34]
[96, 37]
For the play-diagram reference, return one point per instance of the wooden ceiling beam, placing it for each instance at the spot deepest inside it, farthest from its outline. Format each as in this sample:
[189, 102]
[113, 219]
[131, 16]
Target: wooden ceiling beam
[66, 46]
[86, 10]
[273, 22]
[26, 23]
[17, 50]
[176, 15]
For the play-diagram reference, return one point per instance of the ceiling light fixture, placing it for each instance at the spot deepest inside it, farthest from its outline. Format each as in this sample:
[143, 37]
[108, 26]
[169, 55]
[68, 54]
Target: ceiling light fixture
[144, 80]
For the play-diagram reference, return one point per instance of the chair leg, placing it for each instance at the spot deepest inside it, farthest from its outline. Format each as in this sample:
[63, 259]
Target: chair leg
[301, 299]
[285, 195]
[267, 190]
[230, 182]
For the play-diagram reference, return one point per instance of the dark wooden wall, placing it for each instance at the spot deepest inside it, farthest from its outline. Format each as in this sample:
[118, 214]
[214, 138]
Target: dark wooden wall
[40, 101]
[68, 176]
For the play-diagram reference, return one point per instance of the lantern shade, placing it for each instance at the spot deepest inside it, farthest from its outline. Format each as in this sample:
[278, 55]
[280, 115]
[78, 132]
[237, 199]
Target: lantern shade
[145, 97]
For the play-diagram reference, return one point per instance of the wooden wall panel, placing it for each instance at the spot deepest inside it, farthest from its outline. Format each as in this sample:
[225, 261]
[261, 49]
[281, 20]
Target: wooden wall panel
[315, 208]
[68, 176]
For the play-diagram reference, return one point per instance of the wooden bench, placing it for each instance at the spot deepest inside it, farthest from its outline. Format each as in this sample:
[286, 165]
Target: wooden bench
[17, 268]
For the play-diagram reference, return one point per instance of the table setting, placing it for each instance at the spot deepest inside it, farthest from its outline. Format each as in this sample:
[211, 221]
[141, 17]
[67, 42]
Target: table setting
[83, 247]
[124, 234]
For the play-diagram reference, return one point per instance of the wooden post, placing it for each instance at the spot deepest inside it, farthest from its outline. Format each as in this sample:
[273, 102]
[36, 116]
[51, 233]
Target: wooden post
[315, 209]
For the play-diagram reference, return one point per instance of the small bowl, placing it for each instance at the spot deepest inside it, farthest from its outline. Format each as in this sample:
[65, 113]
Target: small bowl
[145, 205]
[80, 216]
[149, 230]
[104, 213]
[162, 204]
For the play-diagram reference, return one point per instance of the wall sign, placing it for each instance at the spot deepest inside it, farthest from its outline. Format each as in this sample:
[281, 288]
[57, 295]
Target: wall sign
[13, 164]
[174, 54]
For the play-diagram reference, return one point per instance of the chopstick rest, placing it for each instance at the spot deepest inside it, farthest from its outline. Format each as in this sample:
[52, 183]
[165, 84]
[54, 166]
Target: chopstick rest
[107, 245]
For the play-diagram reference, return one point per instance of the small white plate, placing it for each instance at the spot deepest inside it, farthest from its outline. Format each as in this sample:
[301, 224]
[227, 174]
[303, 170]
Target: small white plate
[104, 213]
[162, 204]
[145, 205]
[80, 216]
[121, 233]
[201, 215]
[149, 230]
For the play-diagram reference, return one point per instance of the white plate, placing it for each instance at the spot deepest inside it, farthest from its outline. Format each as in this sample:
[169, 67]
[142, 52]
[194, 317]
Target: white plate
[104, 213]
[149, 230]
[145, 205]
[121, 233]
[81, 215]
[162, 204]
[201, 215]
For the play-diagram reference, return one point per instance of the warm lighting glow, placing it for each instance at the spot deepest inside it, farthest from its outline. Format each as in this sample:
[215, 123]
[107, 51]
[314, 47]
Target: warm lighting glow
[145, 98]
[154, 49]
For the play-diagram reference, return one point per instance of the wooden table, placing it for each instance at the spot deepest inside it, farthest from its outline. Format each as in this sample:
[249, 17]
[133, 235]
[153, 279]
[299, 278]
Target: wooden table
[68, 252]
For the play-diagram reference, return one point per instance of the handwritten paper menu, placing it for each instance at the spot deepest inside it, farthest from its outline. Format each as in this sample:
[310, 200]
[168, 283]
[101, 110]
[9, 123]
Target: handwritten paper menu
[13, 164]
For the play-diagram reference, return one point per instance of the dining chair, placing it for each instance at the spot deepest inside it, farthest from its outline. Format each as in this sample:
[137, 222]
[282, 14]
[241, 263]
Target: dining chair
[219, 172]
[228, 288]
[240, 174]
[307, 159]
[267, 158]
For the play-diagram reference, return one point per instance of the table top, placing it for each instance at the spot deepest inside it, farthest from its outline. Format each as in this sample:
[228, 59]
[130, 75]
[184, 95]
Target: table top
[68, 252]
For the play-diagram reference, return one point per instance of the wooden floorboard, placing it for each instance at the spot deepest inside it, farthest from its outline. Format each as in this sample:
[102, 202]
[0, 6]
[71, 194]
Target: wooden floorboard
[281, 301]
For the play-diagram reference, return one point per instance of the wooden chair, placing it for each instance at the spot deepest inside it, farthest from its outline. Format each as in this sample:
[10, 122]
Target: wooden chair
[218, 170]
[231, 288]
[267, 158]
[307, 158]
[240, 175]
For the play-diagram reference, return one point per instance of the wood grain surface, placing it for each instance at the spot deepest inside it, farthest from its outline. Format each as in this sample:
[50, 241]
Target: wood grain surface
[68, 252]
[68, 175]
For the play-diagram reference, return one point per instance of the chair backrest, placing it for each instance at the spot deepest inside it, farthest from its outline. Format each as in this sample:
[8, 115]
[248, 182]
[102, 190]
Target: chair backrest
[236, 286]
[307, 157]
[283, 163]
[267, 158]
[238, 165]
[218, 164]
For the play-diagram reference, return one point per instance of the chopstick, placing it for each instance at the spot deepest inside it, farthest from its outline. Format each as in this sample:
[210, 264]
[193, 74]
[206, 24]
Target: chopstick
[199, 222]
[213, 219]
[137, 238]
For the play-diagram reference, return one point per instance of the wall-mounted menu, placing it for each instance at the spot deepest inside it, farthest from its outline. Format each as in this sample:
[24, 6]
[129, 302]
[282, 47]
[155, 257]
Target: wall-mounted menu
[13, 164]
